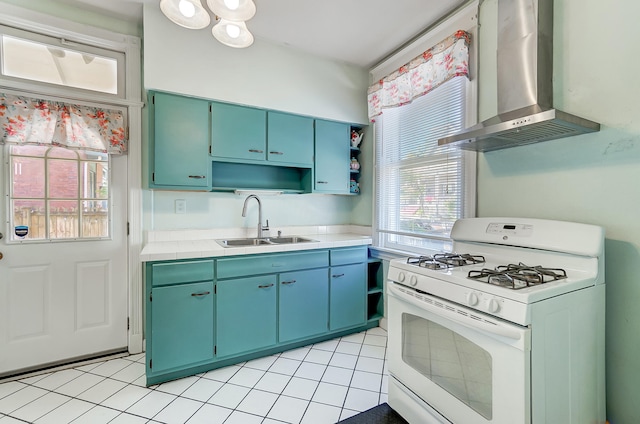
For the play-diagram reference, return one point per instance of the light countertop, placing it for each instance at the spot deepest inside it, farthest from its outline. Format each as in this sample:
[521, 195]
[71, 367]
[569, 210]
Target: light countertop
[189, 244]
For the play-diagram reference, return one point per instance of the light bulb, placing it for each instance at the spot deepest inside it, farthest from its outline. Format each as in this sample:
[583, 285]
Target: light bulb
[232, 4]
[233, 30]
[187, 8]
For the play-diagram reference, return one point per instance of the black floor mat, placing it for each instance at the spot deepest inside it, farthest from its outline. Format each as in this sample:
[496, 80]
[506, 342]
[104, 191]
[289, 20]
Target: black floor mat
[381, 414]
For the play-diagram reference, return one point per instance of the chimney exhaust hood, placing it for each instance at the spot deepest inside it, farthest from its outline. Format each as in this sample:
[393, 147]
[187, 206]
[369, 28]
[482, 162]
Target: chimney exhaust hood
[525, 92]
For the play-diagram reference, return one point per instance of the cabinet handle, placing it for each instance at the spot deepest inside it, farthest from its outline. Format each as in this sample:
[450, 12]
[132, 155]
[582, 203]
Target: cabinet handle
[276, 153]
[197, 177]
[256, 151]
[337, 275]
[265, 286]
[200, 294]
[289, 282]
[322, 182]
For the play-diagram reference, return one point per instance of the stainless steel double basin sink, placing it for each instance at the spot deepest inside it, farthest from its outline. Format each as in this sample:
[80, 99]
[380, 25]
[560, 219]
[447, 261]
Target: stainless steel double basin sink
[264, 241]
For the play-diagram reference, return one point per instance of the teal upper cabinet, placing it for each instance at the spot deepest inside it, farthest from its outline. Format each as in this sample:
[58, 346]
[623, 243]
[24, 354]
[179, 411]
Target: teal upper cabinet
[180, 140]
[331, 157]
[289, 139]
[238, 132]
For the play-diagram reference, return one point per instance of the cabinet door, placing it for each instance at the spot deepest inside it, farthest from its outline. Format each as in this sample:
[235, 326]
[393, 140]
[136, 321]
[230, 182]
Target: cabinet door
[331, 157]
[290, 139]
[303, 304]
[180, 142]
[347, 296]
[238, 132]
[246, 314]
[182, 330]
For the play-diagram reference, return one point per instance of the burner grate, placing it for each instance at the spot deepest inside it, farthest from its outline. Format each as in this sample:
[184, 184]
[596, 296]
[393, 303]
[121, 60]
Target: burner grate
[445, 260]
[458, 259]
[518, 276]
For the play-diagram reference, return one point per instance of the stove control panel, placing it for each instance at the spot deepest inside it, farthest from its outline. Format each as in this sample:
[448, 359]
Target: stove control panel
[506, 229]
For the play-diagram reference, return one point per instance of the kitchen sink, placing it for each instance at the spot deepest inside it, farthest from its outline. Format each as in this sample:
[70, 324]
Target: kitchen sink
[287, 240]
[243, 242]
[265, 241]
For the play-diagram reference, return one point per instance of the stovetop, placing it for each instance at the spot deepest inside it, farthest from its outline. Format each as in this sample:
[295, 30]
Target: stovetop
[510, 276]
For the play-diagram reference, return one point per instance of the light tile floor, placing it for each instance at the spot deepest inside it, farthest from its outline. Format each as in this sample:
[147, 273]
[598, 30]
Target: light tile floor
[316, 384]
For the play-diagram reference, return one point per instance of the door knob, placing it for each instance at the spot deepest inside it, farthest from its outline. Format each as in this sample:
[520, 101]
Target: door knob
[1, 256]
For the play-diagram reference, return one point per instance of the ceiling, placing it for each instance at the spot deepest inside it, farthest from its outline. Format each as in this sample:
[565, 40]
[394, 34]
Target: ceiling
[360, 32]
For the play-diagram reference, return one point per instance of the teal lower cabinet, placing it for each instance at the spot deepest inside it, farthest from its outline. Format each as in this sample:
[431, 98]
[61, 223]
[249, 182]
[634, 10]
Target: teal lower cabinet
[347, 304]
[246, 314]
[183, 325]
[303, 304]
[203, 314]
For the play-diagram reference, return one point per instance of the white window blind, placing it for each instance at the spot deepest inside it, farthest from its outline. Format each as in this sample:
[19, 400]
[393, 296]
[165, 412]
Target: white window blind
[420, 187]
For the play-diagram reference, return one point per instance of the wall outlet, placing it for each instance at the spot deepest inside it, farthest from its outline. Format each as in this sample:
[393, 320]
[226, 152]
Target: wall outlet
[181, 206]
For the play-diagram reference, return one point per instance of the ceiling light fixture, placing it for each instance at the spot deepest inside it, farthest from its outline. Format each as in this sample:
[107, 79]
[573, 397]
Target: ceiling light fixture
[231, 29]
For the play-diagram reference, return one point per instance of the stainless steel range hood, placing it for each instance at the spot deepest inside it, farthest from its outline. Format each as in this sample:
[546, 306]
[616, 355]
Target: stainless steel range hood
[525, 92]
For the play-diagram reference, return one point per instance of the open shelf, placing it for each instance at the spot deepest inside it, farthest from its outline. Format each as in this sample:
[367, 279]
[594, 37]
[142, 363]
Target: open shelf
[375, 289]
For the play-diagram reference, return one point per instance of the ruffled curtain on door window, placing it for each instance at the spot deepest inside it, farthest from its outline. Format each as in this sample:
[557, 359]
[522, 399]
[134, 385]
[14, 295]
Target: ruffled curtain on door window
[24, 120]
[447, 59]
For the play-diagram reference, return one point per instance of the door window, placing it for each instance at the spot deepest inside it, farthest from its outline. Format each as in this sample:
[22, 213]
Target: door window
[58, 194]
[451, 361]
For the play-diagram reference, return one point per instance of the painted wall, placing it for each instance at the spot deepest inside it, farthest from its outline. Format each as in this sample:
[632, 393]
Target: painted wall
[265, 75]
[592, 178]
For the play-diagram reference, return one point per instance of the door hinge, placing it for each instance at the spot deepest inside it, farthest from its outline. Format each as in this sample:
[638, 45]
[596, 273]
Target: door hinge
[153, 177]
[151, 297]
[128, 323]
[215, 349]
[153, 100]
[127, 228]
[150, 363]
[215, 289]
[209, 150]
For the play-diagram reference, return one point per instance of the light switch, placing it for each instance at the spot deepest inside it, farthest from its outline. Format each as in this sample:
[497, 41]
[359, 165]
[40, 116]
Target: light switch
[181, 206]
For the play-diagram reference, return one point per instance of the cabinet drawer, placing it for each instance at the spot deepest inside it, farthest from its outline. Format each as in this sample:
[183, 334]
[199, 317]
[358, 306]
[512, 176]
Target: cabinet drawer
[163, 274]
[269, 264]
[350, 255]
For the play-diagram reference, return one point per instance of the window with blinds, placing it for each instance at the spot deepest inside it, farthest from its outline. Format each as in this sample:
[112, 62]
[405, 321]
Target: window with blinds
[420, 187]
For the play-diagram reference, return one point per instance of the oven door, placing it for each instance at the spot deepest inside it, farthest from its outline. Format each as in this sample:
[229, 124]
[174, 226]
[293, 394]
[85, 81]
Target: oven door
[453, 364]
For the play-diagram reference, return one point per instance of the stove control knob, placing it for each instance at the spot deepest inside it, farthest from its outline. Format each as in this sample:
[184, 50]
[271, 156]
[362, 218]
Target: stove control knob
[413, 281]
[493, 306]
[401, 277]
[472, 299]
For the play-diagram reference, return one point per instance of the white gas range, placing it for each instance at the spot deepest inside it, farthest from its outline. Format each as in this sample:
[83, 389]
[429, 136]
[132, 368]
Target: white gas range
[507, 329]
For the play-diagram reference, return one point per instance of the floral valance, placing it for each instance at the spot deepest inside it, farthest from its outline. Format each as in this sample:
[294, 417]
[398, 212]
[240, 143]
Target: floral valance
[445, 60]
[24, 120]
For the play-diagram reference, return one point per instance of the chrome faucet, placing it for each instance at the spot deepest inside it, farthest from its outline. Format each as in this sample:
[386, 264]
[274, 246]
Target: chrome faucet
[244, 214]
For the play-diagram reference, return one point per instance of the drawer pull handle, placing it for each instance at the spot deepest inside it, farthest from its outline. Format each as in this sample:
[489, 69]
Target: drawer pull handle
[197, 177]
[289, 282]
[256, 151]
[323, 182]
[200, 294]
[337, 275]
[265, 286]
[276, 153]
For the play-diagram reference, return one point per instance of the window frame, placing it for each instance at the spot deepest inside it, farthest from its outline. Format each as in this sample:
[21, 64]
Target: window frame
[464, 18]
[79, 198]
[64, 44]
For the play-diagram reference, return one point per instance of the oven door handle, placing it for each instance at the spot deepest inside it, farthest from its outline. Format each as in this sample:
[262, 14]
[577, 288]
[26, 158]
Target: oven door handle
[456, 314]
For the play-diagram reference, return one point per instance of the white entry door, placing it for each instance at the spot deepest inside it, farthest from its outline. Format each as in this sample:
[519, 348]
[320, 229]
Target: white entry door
[63, 300]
